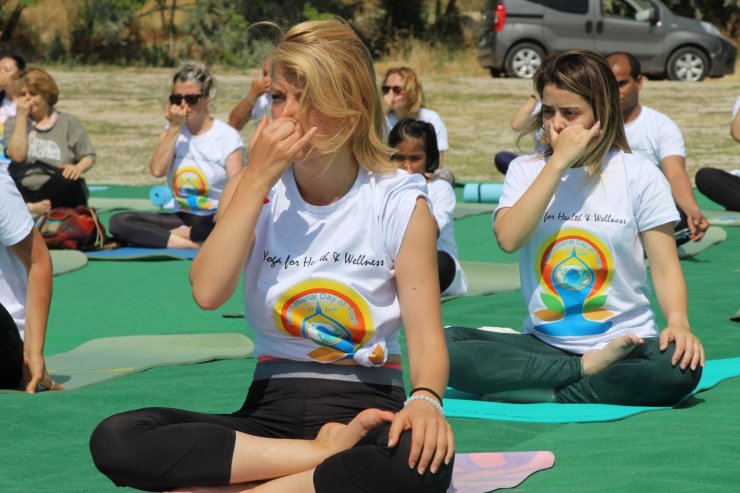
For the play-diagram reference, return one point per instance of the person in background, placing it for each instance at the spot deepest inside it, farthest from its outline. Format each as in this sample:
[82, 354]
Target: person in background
[25, 295]
[718, 185]
[49, 150]
[582, 215]
[403, 97]
[521, 119]
[10, 67]
[655, 137]
[198, 153]
[415, 143]
[256, 102]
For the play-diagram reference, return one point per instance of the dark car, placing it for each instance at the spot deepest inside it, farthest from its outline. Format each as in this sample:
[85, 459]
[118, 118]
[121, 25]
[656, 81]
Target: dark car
[516, 35]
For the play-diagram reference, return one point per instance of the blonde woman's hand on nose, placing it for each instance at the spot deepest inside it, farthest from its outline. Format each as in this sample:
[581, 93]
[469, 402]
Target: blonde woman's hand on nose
[273, 148]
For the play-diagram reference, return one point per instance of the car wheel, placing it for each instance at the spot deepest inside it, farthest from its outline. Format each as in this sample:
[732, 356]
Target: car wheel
[523, 60]
[688, 64]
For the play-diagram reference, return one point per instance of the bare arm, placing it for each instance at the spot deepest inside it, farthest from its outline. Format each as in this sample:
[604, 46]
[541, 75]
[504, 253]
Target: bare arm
[17, 148]
[234, 163]
[674, 168]
[242, 112]
[523, 115]
[670, 289]
[515, 225]
[735, 127]
[34, 256]
[418, 294]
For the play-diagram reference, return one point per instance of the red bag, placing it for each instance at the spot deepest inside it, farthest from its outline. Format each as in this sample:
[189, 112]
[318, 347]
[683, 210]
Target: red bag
[70, 228]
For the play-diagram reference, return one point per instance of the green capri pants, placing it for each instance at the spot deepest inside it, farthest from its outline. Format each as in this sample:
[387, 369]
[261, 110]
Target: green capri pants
[484, 362]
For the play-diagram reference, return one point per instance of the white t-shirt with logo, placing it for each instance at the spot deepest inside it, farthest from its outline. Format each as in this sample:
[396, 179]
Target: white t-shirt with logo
[442, 197]
[198, 173]
[320, 283]
[583, 274]
[15, 224]
[654, 136]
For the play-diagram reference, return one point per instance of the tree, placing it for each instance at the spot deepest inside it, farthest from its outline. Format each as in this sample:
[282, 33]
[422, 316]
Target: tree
[9, 21]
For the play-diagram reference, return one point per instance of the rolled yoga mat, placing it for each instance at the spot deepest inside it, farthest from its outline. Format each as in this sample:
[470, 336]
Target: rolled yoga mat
[111, 357]
[712, 236]
[161, 196]
[63, 261]
[488, 193]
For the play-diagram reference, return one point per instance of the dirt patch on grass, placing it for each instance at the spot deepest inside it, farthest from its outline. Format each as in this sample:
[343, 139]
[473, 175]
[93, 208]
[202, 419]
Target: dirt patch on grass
[123, 110]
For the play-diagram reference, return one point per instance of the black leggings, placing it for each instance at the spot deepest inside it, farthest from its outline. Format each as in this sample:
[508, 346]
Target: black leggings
[152, 229]
[720, 187]
[445, 269]
[11, 351]
[484, 362]
[59, 190]
[156, 449]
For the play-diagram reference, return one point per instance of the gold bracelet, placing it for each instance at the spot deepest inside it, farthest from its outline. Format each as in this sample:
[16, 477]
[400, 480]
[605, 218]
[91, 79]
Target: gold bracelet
[261, 189]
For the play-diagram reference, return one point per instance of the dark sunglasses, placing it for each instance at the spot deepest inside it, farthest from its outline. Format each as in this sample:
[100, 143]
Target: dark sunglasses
[395, 89]
[191, 99]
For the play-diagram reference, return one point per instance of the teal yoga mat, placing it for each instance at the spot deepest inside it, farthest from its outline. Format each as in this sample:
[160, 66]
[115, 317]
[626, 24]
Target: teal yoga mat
[460, 404]
[136, 253]
[64, 261]
[463, 209]
[103, 204]
[110, 357]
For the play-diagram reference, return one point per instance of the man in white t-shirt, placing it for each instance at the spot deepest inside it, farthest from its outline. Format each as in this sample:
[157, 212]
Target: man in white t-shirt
[657, 138]
[25, 294]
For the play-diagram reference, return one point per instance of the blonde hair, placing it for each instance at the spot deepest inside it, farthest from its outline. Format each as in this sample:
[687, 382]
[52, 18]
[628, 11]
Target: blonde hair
[38, 81]
[335, 73]
[587, 74]
[411, 87]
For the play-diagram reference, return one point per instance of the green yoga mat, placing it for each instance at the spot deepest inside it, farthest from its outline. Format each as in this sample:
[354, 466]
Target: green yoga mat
[712, 236]
[63, 261]
[722, 218]
[110, 357]
[488, 278]
[464, 209]
[459, 404]
[104, 204]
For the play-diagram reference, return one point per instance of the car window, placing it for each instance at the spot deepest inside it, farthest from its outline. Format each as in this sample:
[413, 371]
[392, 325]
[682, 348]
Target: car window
[567, 6]
[636, 10]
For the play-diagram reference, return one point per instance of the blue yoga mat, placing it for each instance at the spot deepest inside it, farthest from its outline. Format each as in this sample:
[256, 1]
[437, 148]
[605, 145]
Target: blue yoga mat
[136, 253]
[462, 405]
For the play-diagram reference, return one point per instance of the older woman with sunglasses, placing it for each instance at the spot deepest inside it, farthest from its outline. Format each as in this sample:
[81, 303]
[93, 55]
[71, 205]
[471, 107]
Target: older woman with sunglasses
[49, 150]
[198, 154]
[403, 97]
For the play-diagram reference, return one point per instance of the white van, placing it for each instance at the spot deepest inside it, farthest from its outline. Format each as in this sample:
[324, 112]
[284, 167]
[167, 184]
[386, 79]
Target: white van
[516, 35]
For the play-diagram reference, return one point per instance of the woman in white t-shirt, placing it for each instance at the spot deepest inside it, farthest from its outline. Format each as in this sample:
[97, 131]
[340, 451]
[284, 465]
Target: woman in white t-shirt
[416, 151]
[335, 246]
[25, 295]
[198, 153]
[579, 215]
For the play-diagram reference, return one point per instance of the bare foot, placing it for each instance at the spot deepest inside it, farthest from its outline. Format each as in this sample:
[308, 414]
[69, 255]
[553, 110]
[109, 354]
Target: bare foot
[40, 207]
[597, 360]
[177, 241]
[341, 437]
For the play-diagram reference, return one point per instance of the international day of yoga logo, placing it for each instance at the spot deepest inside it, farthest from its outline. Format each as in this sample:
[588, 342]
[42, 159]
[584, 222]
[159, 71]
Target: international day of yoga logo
[576, 268]
[191, 189]
[329, 313]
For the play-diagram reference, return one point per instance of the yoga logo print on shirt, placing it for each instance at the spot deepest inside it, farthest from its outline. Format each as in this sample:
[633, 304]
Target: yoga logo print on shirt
[332, 315]
[190, 187]
[575, 270]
